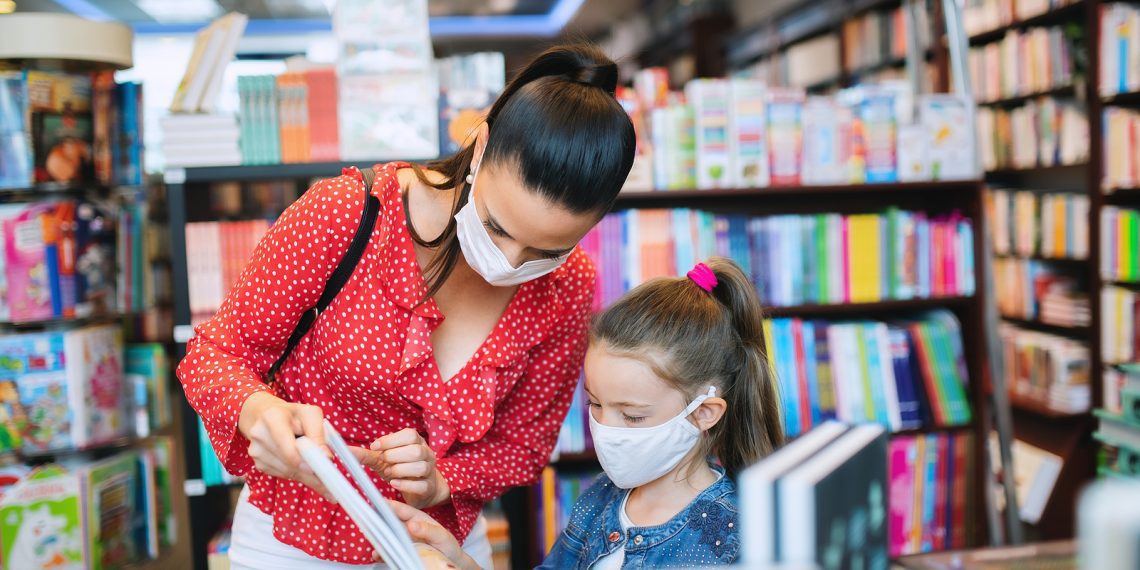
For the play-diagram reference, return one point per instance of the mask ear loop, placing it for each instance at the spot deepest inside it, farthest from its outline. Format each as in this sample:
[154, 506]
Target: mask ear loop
[696, 403]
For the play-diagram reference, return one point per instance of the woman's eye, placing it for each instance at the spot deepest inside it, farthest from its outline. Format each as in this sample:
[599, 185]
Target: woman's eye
[633, 419]
[548, 255]
[495, 230]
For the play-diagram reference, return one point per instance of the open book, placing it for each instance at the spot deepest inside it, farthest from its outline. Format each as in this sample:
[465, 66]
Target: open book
[370, 512]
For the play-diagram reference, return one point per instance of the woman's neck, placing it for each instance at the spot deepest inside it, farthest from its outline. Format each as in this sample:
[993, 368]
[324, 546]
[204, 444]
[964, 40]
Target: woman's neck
[657, 501]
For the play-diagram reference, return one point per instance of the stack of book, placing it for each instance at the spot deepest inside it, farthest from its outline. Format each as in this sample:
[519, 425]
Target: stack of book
[216, 253]
[1043, 132]
[903, 375]
[1120, 312]
[1119, 422]
[980, 16]
[792, 259]
[1120, 244]
[880, 37]
[1046, 368]
[1119, 37]
[1121, 149]
[91, 514]
[556, 493]
[69, 129]
[1037, 291]
[1028, 223]
[1023, 63]
[200, 140]
[931, 492]
[214, 47]
[735, 133]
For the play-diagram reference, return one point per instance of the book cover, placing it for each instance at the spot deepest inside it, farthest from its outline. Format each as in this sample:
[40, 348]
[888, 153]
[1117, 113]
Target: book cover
[903, 464]
[61, 127]
[824, 371]
[41, 522]
[863, 245]
[15, 146]
[27, 264]
[785, 136]
[109, 504]
[824, 161]
[711, 101]
[877, 112]
[950, 150]
[930, 492]
[910, 414]
[748, 135]
[841, 488]
[95, 374]
[45, 395]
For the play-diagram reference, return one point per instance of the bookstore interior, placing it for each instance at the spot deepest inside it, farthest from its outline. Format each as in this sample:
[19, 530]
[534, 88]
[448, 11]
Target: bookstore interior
[878, 261]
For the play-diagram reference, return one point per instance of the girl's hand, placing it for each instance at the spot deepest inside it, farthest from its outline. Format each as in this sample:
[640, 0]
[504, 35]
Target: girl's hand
[272, 425]
[405, 461]
[426, 531]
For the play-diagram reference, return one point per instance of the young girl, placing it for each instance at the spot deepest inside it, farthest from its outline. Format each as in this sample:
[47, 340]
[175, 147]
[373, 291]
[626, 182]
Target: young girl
[676, 374]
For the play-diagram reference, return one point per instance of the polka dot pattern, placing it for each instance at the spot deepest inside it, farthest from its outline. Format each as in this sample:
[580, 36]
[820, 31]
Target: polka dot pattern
[367, 363]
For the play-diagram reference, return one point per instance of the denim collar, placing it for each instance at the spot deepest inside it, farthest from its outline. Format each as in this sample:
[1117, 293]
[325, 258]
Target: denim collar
[641, 538]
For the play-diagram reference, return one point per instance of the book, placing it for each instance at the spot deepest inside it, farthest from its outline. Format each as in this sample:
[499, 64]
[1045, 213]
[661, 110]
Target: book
[1023, 62]
[758, 489]
[1035, 474]
[1051, 370]
[214, 47]
[556, 492]
[1119, 48]
[785, 136]
[844, 485]
[60, 123]
[41, 522]
[711, 100]
[16, 159]
[1120, 337]
[1046, 131]
[370, 510]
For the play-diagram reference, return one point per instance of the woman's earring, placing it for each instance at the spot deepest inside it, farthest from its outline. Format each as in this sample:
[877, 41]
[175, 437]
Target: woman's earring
[470, 178]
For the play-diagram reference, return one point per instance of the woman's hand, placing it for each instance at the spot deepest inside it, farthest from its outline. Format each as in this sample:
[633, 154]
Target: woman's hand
[272, 425]
[405, 461]
[426, 531]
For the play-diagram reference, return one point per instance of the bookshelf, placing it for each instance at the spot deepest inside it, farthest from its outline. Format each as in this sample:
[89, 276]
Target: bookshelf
[1063, 14]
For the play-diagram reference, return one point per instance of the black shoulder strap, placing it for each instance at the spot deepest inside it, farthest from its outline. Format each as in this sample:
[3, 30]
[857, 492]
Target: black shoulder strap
[339, 275]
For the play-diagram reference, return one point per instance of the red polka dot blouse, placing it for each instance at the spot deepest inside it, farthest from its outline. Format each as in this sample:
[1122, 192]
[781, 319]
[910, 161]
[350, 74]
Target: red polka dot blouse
[367, 362]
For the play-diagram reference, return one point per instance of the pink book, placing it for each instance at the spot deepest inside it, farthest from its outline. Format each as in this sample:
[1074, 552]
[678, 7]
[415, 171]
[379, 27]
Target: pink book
[900, 466]
[29, 278]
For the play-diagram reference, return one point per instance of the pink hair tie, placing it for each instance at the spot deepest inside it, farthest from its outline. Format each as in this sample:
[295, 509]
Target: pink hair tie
[703, 277]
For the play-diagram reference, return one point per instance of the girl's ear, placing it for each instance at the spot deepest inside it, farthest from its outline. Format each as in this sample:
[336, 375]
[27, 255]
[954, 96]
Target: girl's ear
[709, 413]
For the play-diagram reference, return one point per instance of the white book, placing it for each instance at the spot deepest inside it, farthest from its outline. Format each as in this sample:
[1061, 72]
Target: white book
[758, 492]
[232, 31]
[886, 364]
[370, 512]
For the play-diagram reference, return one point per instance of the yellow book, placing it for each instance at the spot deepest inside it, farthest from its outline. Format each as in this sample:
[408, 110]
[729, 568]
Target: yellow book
[549, 508]
[864, 255]
[915, 530]
[1059, 229]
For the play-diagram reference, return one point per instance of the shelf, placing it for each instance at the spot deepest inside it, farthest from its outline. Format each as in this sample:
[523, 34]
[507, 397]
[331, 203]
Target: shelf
[1134, 285]
[1061, 330]
[1022, 99]
[61, 322]
[307, 170]
[117, 444]
[1124, 99]
[931, 429]
[723, 193]
[1040, 408]
[583, 459]
[1057, 15]
[855, 309]
[51, 188]
[1039, 169]
[1123, 196]
[1058, 260]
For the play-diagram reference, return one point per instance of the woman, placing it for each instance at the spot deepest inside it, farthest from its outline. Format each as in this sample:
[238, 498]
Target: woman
[451, 355]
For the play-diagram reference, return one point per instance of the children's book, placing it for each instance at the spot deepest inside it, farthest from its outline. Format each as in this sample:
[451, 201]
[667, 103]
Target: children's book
[370, 512]
[41, 523]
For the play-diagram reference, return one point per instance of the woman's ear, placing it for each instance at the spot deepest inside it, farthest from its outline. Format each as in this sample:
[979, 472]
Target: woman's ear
[709, 413]
[481, 135]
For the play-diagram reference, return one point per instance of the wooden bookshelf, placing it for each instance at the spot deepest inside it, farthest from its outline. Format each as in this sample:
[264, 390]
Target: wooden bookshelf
[1126, 99]
[887, 307]
[629, 199]
[1052, 17]
[1043, 409]
[1018, 100]
[1005, 172]
[1051, 328]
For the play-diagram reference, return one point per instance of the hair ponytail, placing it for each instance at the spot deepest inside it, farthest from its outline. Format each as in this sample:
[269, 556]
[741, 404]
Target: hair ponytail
[752, 427]
[558, 124]
[705, 336]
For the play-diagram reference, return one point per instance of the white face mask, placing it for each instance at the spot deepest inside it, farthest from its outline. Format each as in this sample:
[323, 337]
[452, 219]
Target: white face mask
[486, 258]
[632, 457]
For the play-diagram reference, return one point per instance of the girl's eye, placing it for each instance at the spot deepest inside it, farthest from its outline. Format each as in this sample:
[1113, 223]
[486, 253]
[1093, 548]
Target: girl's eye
[495, 230]
[593, 404]
[632, 419]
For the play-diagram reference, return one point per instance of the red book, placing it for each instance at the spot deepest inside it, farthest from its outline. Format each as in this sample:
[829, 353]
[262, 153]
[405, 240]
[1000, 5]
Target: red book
[961, 473]
[801, 374]
[943, 490]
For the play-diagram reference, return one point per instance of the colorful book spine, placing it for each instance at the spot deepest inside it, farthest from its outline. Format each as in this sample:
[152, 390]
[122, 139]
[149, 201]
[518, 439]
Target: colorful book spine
[785, 137]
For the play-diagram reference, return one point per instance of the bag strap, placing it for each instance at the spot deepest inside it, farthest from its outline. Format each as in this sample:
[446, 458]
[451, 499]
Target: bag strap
[339, 276]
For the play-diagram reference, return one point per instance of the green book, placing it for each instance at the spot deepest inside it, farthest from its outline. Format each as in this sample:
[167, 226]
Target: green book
[821, 259]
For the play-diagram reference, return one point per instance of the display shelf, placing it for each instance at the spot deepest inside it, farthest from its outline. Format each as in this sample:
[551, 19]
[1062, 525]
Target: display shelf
[1018, 100]
[877, 307]
[1128, 98]
[1037, 407]
[1123, 197]
[45, 189]
[1070, 261]
[1082, 332]
[1009, 171]
[62, 322]
[738, 193]
[1051, 17]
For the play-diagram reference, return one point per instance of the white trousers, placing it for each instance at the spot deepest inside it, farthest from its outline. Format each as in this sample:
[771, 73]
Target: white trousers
[253, 546]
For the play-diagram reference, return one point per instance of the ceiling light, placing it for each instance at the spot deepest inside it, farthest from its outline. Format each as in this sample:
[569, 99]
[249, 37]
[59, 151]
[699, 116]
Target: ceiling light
[7, 6]
[182, 11]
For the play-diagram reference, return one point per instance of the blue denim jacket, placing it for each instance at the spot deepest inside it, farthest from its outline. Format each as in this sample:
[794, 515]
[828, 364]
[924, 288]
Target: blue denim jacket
[704, 534]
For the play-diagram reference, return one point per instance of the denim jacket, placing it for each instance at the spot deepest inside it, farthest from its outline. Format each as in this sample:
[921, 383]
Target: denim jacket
[704, 534]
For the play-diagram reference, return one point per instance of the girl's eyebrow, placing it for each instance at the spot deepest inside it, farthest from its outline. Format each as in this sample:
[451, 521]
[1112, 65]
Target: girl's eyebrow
[619, 404]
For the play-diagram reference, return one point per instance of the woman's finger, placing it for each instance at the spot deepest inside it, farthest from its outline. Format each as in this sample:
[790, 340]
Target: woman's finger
[410, 486]
[414, 470]
[367, 457]
[407, 454]
[406, 436]
[406, 512]
[283, 437]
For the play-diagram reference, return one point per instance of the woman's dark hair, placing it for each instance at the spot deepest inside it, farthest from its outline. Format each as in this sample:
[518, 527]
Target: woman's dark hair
[690, 338]
[558, 125]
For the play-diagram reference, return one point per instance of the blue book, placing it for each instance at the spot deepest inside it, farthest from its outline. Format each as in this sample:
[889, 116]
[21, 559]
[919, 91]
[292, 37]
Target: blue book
[684, 254]
[786, 368]
[966, 228]
[929, 493]
[631, 248]
[923, 231]
[738, 246]
[758, 253]
[811, 370]
[796, 262]
[875, 376]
